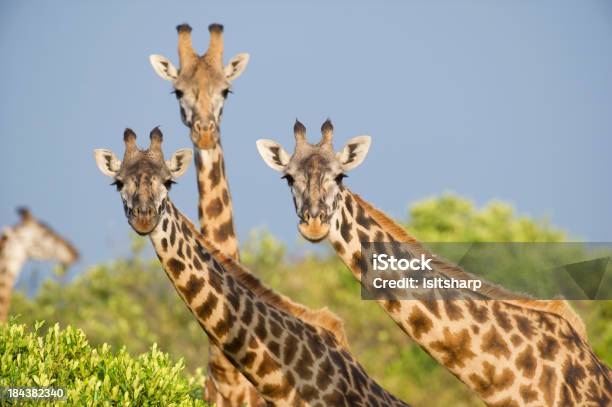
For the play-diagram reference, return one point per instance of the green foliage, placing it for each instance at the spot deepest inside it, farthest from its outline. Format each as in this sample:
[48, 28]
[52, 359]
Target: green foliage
[127, 302]
[130, 302]
[91, 376]
[454, 219]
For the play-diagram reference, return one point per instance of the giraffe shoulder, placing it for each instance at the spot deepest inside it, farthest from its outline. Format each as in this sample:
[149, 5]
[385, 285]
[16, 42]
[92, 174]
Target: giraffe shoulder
[320, 319]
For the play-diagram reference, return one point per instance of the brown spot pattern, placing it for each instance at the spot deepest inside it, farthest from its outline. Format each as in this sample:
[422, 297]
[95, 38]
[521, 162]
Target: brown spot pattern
[267, 365]
[176, 267]
[224, 231]
[454, 349]
[479, 313]
[490, 382]
[214, 208]
[528, 394]
[526, 362]
[548, 347]
[453, 311]
[547, 383]
[192, 288]
[494, 343]
[420, 323]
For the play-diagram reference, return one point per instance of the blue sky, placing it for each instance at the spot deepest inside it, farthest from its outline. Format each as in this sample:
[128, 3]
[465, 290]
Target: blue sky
[493, 100]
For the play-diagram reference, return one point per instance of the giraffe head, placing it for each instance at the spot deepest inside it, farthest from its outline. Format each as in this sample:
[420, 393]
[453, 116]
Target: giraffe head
[40, 242]
[202, 83]
[314, 173]
[143, 178]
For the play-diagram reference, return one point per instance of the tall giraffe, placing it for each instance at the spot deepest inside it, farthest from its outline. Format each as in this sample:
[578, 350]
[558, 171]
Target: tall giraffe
[201, 86]
[290, 362]
[517, 352]
[29, 239]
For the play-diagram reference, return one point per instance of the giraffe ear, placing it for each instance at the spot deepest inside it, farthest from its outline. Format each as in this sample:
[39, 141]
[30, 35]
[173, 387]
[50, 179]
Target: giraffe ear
[107, 162]
[354, 152]
[163, 67]
[273, 154]
[235, 66]
[179, 162]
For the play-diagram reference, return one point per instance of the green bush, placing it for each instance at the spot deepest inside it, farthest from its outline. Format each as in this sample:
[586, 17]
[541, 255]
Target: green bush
[125, 303]
[91, 376]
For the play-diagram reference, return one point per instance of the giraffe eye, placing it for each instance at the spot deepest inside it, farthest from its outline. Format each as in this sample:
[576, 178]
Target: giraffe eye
[225, 93]
[289, 179]
[339, 178]
[178, 93]
[118, 184]
[168, 184]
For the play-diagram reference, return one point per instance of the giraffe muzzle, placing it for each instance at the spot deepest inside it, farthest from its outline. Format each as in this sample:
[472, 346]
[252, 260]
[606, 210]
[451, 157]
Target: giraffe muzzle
[204, 137]
[143, 219]
[313, 229]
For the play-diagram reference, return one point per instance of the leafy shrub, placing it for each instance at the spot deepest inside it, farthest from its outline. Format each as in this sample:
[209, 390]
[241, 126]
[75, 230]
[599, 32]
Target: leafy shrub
[91, 376]
[126, 303]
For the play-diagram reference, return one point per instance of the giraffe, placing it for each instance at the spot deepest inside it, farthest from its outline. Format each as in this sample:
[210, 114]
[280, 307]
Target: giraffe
[29, 239]
[290, 361]
[517, 352]
[201, 86]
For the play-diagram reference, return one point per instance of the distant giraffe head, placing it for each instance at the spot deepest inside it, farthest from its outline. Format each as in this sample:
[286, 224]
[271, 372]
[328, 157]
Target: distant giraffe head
[314, 173]
[202, 83]
[28, 239]
[143, 178]
[39, 242]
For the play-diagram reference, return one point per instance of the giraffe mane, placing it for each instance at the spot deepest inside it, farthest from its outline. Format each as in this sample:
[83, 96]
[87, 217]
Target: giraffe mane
[322, 319]
[558, 307]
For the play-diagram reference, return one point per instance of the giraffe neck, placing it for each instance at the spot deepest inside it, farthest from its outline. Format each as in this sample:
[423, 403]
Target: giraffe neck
[286, 359]
[13, 255]
[215, 210]
[514, 352]
[224, 383]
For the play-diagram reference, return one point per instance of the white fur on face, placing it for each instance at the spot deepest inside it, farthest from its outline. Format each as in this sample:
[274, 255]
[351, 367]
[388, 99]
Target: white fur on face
[217, 102]
[187, 105]
[331, 194]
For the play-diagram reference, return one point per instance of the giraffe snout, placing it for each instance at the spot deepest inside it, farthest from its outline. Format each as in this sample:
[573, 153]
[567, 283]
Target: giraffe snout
[143, 217]
[313, 225]
[204, 136]
[310, 215]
